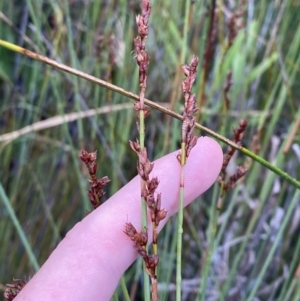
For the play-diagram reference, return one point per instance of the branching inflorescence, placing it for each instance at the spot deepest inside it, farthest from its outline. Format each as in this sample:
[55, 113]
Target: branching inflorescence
[189, 119]
[96, 191]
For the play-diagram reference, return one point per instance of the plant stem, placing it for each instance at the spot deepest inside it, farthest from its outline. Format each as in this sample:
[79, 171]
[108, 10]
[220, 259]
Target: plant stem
[188, 141]
[151, 104]
[124, 289]
[142, 145]
[154, 291]
[180, 224]
[19, 229]
[143, 202]
[142, 59]
[115, 297]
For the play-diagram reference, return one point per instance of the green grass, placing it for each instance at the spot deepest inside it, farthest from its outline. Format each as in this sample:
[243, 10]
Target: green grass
[257, 244]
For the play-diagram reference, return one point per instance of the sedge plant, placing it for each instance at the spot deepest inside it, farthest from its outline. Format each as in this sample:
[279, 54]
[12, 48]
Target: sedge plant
[278, 96]
[149, 198]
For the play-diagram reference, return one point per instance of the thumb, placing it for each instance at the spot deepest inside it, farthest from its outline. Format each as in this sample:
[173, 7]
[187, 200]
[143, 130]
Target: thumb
[90, 260]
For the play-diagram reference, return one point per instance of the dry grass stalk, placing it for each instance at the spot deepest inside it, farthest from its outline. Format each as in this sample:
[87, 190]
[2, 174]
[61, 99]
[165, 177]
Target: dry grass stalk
[59, 120]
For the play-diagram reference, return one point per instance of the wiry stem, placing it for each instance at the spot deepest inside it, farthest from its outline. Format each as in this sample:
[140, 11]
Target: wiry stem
[180, 223]
[142, 59]
[148, 186]
[188, 141]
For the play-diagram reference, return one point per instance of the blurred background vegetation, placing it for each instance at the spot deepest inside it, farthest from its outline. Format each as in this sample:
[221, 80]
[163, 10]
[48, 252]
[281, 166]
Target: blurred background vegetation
[257, 245]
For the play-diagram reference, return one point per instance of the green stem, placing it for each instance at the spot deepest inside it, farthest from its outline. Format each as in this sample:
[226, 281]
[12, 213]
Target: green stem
[151, 104]
[19, 229]
[115, 297]
[142, 129]
[124, 289]
[142, 145]
[180, 224]
[143, 202]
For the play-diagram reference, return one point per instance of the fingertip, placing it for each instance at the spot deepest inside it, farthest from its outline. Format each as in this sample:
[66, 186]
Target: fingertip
[203, 167]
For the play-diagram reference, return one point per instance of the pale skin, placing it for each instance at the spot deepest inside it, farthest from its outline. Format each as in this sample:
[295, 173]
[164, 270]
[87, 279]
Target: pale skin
[90, 260]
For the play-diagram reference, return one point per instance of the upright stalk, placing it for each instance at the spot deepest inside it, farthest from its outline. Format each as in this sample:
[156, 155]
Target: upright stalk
[180, 223]
[148, 186]
[188, 141]
[143, 59]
